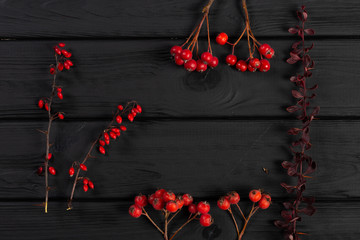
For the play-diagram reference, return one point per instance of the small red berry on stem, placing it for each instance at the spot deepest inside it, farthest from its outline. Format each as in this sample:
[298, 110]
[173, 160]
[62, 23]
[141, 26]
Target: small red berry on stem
[61, 116]
[233, 197]
[85, 188]
[141, 200]
[255, 195]
[158, 204]
[49, 156]
[190, 65]
[52, 70]
[123, 128]
[222, 38]
[171, 206]
[61, 44]
[175, 50]
[85, 181]
[118, 119]
[241, 65]
[223, 203]
[206, 220]
[206, 57]
[200, 66]
[102, 150]
[52, 171]
[203, 207]
[186, 54]
[41, 103]
[120, 107]
[214, 62]
[135, 211]
[71, 171]
[264, 65]
[192, 208]
[265, 201]
[83, 167]
[188, 199]
[168, 196]
[91, 185]
[231, 59]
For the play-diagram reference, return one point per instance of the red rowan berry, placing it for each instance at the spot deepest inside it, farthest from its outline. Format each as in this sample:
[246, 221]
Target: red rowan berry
[151, 198]
[188, 199]
[85, 188]
[200, 66]
[138, 107]
[203, 207]
[223, 203]
[265, 65]
[241, 65]
[101, 142]
[102, 150]
[270, 53]
[52, 171]
[118, 119]
[83, 167]
[254, 62]
[233, 197]
[106, 136]
[57, 50]
[39, 170]
[41, 103]
[141, 201]
[66, 66]
[158, 204]
[69, 62]
[112, 135]
[190, 65]
[231, 59]
[159, 193]
[71, 171]
[91, 185]
[192, 208]
[186, 54]
[60, 67]
[206, 220]
[49, 156]
[264, 48]
[61, 44]
[168, 196]
[135, 211]
[85, 181]
[60, 95]
[265, 201]
[175, 50]
[171, 206]
[250, 68]
[206, 57]
[52, 70]
[47, 107]
[222, 38]
[178, 60]
[255, 195]
[123, 128]
[214, 62]
[179, 202]
[120, 107]
[61, 116]
[131, 117]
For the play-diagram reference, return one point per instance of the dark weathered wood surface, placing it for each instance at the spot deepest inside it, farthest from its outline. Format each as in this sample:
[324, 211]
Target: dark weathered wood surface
[202, 135]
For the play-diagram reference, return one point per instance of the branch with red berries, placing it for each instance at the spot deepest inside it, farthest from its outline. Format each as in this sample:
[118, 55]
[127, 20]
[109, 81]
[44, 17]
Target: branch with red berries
[252, 63]
[302, 164]
[183, 55]
[61, 61]
[112, 131]
[170, 206]
[263, 201]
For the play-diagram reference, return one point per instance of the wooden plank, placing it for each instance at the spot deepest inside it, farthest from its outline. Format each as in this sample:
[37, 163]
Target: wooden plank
[110, 72]
[168, 18]
[99, 220]
[205, 158]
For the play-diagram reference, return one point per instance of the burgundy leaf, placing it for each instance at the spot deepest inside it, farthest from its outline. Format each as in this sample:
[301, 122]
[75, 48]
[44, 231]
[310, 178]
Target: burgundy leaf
[293, 30]
[297, 94]
[311, 168]
[292, 109]
[291, 61]
[288, 188]
[286, 215]
[296, 219]
[292, 171]
[314, 87]
[295, 44]
[309, 210]
[312, 96]
[280, 224]
[286, 164]
[309, 31]
[294, 131]
[293, 78]
[288, 205]
[309, 48]
[295, 56]
[315, 111]
[309, 200]
[299, 15]
[308, 74]
[305, 15]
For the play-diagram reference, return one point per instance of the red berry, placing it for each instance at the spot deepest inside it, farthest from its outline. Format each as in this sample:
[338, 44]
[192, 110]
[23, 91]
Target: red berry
[135, 211]
[267, 196]
[231, 59]
[61, 116]
[123, 128]
[190, 65]
[265, 201]
[175, 50]
[233, 197]
[255, 195]
[151, 198]
[131, 117]
[57, 50]
[59, 89]
[49, 156]
[206, 220]
[270, 53]
[171, 206]
[101, 142]
[71, 171]
[214, 62]
[178, 60]
[138, 107]
[200, 66]
[64, 52]
[102, 150]
[60, 67]
[241, 65]
[168, 196]
[264, 48]
[39, 170]
[112, 135]
[265, 65]
[120, 107]
[222, 38]
[52, 70]
[69, 62]
[188, 199]
[179, 202]
[159, 193]
[186, 54]
[118, 119]
[85, 181]
[254, 62]
[203, 207]
[223, 203]
[62, 44]
[66, 66]
[107, 141]
[85, 188]
[158, 204]
[206, 57]
[251, 69]
[106, 136]
[192, 208]
[60, 96]
[141, 201]
[115, 130]
[83, 167]
[52, 171]
[91, 185]
[41, 103]
[68, 55]
[47, 107]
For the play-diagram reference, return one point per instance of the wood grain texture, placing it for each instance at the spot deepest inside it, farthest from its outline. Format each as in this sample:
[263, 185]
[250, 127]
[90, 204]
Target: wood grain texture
[110, 220]
[181, 156]
[109, 72]
[168, 18]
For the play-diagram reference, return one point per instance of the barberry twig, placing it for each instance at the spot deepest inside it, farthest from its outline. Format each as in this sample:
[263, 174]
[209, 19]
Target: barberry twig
[303, 163]
[61, 61]
[131, 109]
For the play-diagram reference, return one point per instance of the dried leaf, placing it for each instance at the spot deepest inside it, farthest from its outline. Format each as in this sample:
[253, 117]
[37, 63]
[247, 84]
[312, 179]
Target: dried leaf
[297, 94]
[292, 109]
[294, 131]
[314, 87]
[286, 164]
[296, 44]
[293, 30]
[309, 31]
[295, 56]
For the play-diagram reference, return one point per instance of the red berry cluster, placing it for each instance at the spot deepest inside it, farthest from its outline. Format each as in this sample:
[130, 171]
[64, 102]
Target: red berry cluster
[63, 59]
[233, 198]
[112, 132]
[46, 104]
[251, 64]
[184, 56]
[171, 205]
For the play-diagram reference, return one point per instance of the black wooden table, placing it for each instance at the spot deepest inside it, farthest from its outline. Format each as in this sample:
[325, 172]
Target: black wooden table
[205, 136]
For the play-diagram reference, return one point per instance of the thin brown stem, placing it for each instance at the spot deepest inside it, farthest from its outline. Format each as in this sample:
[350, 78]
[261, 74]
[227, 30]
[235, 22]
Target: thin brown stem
[166, 225]
[252, 212]
[186, 223]
[128, 106]
[235, 223]
[172, 217]
[152, 221]
[242, 214]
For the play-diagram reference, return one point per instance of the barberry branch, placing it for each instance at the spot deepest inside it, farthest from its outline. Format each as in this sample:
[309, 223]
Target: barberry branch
[61, 61]
[302, 164]
[111, 131]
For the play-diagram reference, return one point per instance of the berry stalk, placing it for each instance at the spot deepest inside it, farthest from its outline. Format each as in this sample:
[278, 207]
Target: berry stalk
[130, 111]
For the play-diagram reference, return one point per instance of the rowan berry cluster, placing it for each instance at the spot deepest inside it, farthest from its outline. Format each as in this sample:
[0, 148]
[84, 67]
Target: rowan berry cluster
[111, 132]
[61, 59]
[184, 56]
[251, 64]
[263, 201]
[170, 205]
